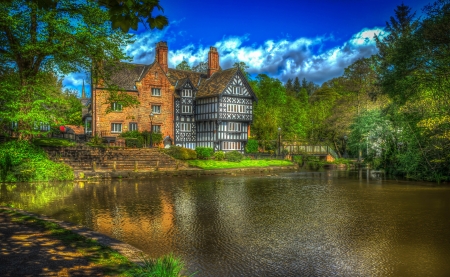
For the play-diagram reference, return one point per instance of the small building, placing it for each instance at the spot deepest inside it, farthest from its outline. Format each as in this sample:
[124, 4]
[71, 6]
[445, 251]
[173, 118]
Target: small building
[211, 109]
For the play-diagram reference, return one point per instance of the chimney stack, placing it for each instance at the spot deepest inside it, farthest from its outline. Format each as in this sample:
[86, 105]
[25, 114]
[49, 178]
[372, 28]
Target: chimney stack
[161, 55]
[213, 61]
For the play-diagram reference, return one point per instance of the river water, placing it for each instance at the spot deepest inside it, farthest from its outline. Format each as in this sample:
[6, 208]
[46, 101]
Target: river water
[329, 223]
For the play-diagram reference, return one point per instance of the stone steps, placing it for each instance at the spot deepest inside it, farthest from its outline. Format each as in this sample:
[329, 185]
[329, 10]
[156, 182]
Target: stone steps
[83, 159]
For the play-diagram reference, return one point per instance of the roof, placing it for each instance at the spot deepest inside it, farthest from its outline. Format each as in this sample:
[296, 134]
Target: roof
[78, 130]
[175, 75]
[126, 75]
[217, 83]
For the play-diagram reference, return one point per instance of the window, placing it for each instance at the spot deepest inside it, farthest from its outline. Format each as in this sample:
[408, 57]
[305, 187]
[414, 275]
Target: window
[234, 108]
[234, 127]
[231, 145]
[185, 127]
[156, 108]
[156, 128]
[187, 93]
[156, 92]
[237, 90]
[116, 106]
[186, 109]
[44, 126]
[116, 127]
[133, 126]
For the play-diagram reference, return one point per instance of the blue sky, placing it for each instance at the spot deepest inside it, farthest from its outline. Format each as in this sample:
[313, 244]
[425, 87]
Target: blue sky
[313, 39]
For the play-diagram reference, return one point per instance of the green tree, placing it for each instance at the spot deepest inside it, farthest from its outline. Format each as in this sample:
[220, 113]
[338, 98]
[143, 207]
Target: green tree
[183, 66]
[296, 87]
[40, 38]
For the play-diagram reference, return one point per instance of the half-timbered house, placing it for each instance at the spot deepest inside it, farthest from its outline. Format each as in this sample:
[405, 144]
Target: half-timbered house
[211, 109]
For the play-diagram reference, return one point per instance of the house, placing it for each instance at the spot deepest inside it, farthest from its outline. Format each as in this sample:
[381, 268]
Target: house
[212, 109]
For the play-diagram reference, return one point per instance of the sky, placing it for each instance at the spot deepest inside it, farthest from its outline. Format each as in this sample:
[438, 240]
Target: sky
[315, 39]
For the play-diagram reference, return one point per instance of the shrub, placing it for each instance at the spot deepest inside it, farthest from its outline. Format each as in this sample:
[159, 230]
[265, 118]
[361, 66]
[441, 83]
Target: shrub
[204, 152]
[133, 142]
[181, 153]
[219, 155]
[251, 146]
[23, 161]
[234, 156]
[95, 141]
[167, 266]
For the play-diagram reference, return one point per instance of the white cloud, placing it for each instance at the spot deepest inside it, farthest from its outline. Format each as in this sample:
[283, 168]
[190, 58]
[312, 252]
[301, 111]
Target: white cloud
[285, 58]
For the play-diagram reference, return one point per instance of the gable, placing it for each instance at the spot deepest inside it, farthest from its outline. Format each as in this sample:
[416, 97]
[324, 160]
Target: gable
[237, 87]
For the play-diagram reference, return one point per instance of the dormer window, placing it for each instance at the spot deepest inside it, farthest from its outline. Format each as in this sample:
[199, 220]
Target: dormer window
[186, 93]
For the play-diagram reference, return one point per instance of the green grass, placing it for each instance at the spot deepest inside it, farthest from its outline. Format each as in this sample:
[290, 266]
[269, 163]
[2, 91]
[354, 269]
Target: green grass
[53, 142]
[111, 261]
[212, 164]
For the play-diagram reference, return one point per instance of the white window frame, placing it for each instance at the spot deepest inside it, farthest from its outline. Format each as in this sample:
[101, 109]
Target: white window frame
[116, 127]
[231, 145]
[117, 107]
[234, 127]
[186, 109]
[237, 90]
[186, 93]
[134, 128]
[156, 91]
[185, 127]
[156, 128]
[156, 109]
[235, 108]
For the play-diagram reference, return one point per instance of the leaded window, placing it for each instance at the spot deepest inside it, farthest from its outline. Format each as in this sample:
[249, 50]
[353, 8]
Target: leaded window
[156, 92]
[116, 127]
[115, 106]
[156, 109]
[133, 126]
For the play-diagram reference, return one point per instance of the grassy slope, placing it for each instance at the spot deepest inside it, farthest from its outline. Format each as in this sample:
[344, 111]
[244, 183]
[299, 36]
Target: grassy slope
[212, 164]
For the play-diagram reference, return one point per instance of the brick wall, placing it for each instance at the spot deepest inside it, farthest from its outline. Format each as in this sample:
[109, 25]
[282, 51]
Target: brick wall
[154, 78]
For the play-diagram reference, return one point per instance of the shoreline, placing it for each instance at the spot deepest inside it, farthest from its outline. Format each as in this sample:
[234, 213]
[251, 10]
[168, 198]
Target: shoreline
[192, 172]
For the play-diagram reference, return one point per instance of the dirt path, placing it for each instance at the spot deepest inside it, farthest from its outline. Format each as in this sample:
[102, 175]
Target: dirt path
[28, 250]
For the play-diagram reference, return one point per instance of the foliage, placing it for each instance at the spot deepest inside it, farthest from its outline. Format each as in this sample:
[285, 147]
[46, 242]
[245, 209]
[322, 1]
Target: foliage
[44, 39]
[95, 141]
[219, 156]
[22, 161]
[133, 143]
[181, 153]
[183, 66]
[251, 146]
[234, 156]
[55, 142]
[216, 164]
[204, 152]
[165, 266]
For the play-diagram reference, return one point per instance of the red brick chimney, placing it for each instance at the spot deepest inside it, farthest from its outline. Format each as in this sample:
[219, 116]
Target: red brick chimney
[161, 55]
[213, 61]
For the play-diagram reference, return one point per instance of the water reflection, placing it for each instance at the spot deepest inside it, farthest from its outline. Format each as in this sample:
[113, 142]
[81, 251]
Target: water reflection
[329, 223]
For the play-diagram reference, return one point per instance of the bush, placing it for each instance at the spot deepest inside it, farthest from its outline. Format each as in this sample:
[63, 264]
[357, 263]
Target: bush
[204, 152]
[167, 266]
[21, 161]
[181, 153]
[219, 155]
[95, 141]
[133, 143]
[252, 146]
[234, 156]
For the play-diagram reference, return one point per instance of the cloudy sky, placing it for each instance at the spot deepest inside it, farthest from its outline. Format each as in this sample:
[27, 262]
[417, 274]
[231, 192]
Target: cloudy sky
[284, 39]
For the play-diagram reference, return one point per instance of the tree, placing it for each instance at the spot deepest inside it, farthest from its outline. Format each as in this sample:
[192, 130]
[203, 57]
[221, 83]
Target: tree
[289, 87]
[122, 14]
[183, 66]
[201, 67]
[296, 87]
[243, 67]
[38, 38]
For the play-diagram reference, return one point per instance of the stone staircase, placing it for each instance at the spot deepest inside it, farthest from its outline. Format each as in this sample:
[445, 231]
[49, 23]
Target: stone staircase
[84, 158]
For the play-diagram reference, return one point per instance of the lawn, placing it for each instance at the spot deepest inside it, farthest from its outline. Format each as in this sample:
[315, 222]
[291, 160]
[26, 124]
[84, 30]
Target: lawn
[212, 164]
[53, 142]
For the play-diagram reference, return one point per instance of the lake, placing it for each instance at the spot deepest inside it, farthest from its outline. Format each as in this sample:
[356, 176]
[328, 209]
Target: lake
[327, 223]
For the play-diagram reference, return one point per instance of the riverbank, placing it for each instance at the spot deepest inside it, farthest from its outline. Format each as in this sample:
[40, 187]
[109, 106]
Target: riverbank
[35, 245]
[188, 172]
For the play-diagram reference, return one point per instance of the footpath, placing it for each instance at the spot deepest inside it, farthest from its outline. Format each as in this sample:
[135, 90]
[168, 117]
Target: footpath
[31, 250]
